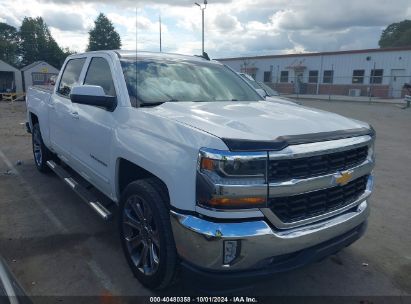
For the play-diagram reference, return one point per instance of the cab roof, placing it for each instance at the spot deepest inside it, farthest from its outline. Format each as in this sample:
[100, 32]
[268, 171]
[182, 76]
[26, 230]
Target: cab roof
[157, 55]
[132, 55]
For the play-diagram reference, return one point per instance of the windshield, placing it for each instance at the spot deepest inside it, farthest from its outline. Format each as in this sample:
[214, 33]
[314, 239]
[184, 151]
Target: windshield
[153, 82]
[268, 90]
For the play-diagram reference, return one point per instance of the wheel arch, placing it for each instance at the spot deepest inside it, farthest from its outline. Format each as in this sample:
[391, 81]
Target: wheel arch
[127, 172]
[33, 119]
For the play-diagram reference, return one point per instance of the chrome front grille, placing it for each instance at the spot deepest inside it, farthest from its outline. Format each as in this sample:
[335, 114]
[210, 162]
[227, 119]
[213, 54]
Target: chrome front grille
[302, 180]
[306, 167]
[299, 207]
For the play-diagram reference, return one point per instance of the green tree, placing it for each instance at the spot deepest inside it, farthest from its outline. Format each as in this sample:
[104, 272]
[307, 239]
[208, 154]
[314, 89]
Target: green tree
[9, 44]
[103, 36]
[396, 34]
[36, 43]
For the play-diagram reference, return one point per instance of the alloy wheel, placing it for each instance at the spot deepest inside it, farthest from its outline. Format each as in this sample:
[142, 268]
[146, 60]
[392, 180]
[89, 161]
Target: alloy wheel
[141, 235]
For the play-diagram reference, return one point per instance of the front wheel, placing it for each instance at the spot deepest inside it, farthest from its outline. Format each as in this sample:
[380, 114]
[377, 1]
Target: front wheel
[40, 152]
[145, 232]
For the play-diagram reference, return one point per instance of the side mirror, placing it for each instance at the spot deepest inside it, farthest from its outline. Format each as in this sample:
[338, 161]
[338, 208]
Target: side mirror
[261, 92]
[93, 96]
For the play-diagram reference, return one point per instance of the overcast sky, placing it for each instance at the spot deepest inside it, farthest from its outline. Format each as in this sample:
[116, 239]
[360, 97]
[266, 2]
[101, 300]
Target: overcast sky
[233, 28]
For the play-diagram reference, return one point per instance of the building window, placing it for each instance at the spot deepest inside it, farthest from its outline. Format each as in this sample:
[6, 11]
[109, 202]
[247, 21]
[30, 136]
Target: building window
[313, 76]
[41, 78]
[284, 76]
[267, 76]
[376, 76]
[38, 78]
[358, 76]
[328, 76]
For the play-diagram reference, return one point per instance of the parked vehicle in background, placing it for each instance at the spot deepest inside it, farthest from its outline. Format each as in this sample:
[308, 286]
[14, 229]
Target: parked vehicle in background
[268, 90]
[205, 173]
[265, 91]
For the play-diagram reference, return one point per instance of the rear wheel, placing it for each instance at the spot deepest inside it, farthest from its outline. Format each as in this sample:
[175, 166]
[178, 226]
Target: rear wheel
[145, 232]
[40, 152]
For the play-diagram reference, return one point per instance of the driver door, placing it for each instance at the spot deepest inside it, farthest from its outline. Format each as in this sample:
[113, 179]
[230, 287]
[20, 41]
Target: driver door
[93, 128]
[61, 115]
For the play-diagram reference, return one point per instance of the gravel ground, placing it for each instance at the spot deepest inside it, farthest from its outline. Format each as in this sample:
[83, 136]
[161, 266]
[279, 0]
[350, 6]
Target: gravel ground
[57, 246]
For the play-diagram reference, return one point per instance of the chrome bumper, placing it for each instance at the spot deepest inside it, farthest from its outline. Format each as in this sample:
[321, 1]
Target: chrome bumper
[200, 242]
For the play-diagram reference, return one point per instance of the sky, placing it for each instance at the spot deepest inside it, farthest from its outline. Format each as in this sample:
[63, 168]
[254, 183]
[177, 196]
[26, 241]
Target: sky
[232, 28]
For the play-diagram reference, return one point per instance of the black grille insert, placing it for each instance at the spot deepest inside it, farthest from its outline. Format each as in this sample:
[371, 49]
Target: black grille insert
[302, 206]
[286, 169]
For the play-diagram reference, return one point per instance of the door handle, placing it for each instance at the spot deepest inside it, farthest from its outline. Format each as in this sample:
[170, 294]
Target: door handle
[75, 115]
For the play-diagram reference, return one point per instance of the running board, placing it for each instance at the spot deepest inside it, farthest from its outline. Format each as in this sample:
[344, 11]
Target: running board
[81, 191]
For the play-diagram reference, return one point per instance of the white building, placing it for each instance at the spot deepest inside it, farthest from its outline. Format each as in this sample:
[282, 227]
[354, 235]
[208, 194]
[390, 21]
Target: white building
[10, 79]
[37, 73]
[370, 72]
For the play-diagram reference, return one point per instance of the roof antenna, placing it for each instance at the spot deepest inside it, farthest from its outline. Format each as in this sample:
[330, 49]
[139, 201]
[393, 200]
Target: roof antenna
[205, 56]
[159, 21]
[136, 32]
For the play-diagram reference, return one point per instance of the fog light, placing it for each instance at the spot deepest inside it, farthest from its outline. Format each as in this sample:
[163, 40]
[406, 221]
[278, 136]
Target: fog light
[231, 251]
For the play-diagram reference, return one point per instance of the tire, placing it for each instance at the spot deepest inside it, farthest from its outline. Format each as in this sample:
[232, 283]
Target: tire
[40, 152]
[146, 235]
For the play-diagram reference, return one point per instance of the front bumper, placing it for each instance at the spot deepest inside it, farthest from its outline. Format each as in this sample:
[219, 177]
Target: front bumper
[200, 242]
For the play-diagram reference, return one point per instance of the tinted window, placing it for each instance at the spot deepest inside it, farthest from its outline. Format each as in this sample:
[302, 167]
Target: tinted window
[154, 81]
[376, 76]
[284, 76]
[71, 76]
[358, 76]
[267, 76]
[313, 77]
[99, 74]
[328, 76]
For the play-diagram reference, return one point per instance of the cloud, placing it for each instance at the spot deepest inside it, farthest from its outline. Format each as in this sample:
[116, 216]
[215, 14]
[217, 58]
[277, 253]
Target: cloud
[232, 28]
[64, 21]
[227, 23]
[331, 15]
[133, 3]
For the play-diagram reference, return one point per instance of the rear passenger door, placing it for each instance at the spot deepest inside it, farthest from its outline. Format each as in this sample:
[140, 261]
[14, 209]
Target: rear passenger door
[93, 130]
[61, 113]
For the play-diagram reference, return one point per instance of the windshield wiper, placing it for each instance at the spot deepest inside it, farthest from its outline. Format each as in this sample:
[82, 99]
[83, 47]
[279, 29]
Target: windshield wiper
[226, 99]
[157, 103]
[151, 104]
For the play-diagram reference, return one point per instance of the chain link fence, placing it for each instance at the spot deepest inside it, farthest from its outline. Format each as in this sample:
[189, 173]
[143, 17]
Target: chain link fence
[372, 88]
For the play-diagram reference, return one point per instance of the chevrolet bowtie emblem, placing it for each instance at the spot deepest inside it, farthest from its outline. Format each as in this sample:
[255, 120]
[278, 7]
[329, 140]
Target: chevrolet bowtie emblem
[343, 178]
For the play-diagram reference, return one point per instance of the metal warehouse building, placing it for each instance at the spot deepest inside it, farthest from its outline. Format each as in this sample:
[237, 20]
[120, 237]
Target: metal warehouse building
[10, 79]
[371, 72]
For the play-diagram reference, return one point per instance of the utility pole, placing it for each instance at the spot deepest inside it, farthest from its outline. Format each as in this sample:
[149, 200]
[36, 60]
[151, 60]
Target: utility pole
[159, 21]
[372, 81]
[202, 8]
[202, 17]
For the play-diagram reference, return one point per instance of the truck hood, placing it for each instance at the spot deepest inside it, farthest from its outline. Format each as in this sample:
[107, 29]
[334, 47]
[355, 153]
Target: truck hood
[260, 120]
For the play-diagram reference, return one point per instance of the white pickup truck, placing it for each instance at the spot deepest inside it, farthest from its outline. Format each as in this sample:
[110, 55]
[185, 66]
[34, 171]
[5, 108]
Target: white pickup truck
[207, 176]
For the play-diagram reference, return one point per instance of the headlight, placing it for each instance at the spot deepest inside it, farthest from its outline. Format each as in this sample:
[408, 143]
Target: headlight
[227, 180]
[234, 166]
